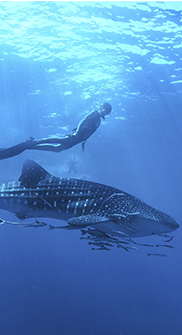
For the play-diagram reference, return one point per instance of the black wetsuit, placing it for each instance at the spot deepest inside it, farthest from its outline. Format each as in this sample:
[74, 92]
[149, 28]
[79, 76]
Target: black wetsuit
[87, 126]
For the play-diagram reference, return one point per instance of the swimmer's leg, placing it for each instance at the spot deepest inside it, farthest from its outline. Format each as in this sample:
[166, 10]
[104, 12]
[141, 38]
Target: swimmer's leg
[53, 140]
[47, 144]
[16, 149]
[49, 147]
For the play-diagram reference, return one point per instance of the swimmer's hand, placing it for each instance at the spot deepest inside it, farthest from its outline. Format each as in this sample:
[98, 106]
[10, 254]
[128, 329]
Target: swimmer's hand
[31, 138]
[31, 142]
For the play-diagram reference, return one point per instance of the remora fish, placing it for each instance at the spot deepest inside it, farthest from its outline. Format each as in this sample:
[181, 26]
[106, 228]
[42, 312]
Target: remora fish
[82, 204]
[35, 224]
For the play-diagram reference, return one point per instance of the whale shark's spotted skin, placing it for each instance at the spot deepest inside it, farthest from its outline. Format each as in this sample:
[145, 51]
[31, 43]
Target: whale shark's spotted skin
[37, 193]
[82, 203]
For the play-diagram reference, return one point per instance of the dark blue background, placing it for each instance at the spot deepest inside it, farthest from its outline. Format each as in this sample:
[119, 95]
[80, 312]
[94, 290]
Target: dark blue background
[59, 61]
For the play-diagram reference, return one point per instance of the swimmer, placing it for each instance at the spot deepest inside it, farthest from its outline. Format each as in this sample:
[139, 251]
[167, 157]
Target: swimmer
[87, 126]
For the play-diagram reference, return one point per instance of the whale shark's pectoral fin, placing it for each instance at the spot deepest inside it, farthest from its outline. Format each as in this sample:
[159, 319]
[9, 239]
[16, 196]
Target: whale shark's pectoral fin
[87, 220]
[125, 220]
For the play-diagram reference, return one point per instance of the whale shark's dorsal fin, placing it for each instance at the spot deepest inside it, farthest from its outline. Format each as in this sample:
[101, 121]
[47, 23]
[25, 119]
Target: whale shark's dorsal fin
[32, 173]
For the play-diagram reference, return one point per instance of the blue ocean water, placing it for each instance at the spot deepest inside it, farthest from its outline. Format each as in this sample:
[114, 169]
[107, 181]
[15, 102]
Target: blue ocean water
[59, 61]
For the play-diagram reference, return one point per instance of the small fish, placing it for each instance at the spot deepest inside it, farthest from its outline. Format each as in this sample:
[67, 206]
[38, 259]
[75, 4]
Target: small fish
[101, 244]
[169, 240]
[145, 244]
[165, 245]
[35, 224]
[163, 255]
[101, 248]
[122, 242]
[51, 227]
[121, 246]
[98, 233]
[84, 231]
[132, 248]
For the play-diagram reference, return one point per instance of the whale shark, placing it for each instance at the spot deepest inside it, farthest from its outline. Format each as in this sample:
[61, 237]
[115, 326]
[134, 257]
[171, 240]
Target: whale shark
[82, 204]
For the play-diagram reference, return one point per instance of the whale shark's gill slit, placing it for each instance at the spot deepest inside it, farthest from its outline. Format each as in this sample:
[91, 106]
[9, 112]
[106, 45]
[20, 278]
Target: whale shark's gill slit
[46, 202]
